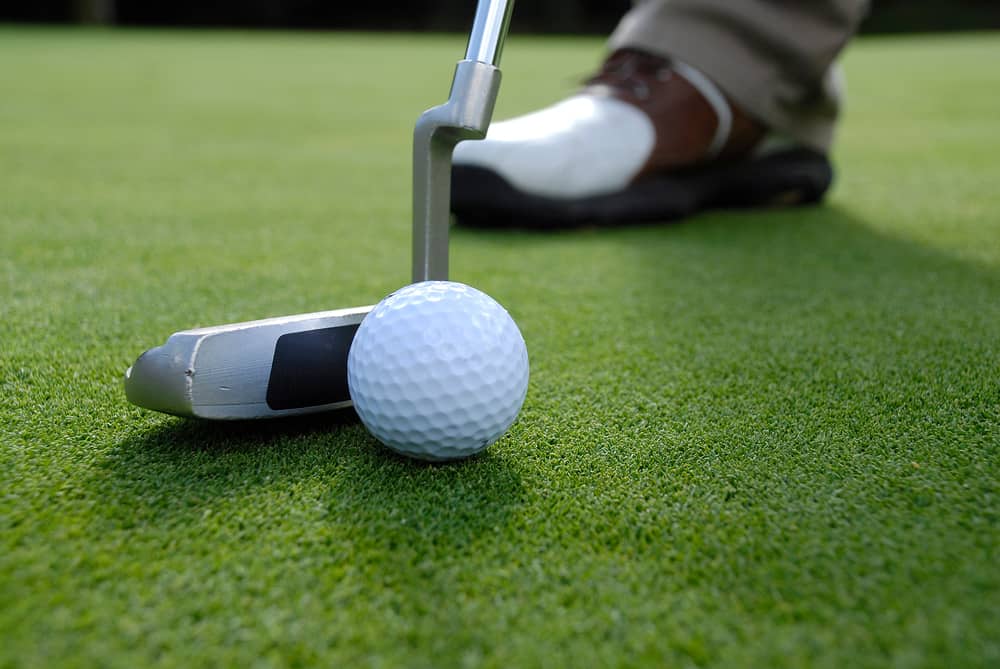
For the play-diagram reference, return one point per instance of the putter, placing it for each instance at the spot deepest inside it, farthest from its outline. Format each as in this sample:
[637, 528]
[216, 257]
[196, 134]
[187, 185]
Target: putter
[294, 365]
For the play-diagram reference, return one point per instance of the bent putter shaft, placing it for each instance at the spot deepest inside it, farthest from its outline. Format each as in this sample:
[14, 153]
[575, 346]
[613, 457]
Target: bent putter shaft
[294, 365]
[466, 115]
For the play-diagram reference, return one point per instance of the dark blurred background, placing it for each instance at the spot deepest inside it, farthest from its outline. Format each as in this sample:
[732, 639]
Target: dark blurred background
[537, 16]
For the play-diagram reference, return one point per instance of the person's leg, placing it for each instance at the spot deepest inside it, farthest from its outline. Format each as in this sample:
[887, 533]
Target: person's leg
[700, 103]
[773, 58]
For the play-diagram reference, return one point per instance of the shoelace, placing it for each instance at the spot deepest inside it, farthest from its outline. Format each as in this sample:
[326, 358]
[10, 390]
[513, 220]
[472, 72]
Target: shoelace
[631, 70]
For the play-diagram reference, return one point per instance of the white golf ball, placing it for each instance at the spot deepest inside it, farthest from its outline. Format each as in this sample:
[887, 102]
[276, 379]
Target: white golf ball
[438, 371]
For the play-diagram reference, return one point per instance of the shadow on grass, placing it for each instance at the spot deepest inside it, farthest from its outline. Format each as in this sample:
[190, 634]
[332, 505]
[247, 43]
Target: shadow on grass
[826, 253]
[325, 465]
[805, 319]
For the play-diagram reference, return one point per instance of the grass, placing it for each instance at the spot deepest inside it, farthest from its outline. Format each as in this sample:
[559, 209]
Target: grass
[753, 439]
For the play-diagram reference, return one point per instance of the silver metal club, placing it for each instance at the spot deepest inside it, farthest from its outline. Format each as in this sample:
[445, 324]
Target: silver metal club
[294, 365]
[466, 115]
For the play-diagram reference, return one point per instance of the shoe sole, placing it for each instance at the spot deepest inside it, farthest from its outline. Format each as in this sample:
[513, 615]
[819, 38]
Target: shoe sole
[483, 198]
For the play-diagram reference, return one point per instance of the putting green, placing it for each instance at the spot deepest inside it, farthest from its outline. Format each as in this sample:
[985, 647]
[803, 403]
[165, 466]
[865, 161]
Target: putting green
[753, 439]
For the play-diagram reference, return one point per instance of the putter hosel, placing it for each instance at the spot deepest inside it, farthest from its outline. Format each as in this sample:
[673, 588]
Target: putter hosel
[466, 115]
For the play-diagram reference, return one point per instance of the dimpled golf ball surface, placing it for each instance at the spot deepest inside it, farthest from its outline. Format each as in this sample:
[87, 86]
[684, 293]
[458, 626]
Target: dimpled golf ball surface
[438, 371]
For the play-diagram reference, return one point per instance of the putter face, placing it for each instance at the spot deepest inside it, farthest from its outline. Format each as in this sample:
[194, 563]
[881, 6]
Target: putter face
[259, 369]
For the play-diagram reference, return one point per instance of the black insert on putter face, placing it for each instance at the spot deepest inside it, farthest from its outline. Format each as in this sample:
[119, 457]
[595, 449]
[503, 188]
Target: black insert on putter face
[310, 368]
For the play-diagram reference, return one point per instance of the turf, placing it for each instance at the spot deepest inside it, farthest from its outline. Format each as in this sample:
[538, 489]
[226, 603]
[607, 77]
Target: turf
[752, 439]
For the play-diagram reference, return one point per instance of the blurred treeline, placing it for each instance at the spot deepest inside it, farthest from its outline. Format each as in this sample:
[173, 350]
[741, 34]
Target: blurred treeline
[535, 16]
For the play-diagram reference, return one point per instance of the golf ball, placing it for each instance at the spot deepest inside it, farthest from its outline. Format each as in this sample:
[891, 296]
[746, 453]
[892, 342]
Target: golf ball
[438, 371]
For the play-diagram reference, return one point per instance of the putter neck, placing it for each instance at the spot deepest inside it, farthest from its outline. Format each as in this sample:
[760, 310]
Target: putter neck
[466, 115]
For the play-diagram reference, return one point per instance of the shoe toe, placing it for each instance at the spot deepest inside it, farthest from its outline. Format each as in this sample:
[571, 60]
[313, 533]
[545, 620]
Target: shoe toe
[584, 146]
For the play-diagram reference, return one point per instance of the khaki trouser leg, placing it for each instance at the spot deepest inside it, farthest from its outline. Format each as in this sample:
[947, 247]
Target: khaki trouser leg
[774, 58]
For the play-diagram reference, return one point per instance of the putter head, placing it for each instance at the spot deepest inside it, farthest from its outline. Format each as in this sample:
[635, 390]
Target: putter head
[298, 364]
[269, 368]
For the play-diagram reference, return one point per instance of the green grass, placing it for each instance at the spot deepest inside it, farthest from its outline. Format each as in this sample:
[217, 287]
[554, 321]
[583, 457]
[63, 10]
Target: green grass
[753, 439]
